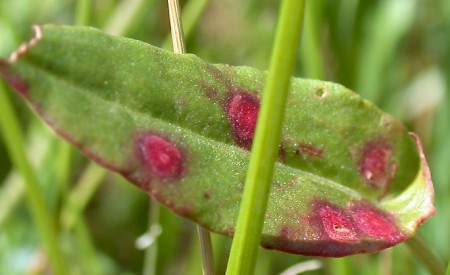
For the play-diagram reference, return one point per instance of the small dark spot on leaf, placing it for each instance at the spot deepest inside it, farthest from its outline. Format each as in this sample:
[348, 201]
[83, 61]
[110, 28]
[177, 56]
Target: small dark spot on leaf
[206, 195]
[321, 92]
[242, 111]
[284, 232]
[161, 156]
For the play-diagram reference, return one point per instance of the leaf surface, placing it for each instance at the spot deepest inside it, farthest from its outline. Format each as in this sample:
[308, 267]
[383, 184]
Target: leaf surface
[349, 179]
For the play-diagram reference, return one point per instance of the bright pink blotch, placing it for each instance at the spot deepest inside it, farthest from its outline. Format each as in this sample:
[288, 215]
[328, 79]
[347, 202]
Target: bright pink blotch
[242, 111]
[161, 156]
[375, 224]
[337, 225]
[374, 165]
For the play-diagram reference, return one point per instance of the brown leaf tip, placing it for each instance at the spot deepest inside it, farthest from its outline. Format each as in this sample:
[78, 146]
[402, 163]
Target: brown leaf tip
[161, 156]
[27, 45]
[242, 111]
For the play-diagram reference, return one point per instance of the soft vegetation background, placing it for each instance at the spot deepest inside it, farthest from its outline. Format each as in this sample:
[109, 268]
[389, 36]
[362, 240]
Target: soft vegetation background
[393, 52]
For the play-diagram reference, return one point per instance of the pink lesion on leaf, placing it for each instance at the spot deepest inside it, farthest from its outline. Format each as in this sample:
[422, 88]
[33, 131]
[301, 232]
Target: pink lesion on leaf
[336, 223]
[376, 165]
[242, 111]
[375, 223]
[161, 156]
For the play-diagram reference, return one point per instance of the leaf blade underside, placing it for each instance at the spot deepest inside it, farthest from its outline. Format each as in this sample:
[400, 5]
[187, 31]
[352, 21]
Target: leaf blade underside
[350, 179]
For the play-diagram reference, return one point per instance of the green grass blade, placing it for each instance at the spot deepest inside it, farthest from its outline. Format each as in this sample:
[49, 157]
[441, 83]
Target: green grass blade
[265, 147]
[82, 13]
[311, 55]
[13, 139]
[425, 254]
[448, 268]
[81, 194]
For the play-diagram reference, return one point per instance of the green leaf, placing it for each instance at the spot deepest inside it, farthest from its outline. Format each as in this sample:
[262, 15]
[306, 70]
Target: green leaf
[349, 179]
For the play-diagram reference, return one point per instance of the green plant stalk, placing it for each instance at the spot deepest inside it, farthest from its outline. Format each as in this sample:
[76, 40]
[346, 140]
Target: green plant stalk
[389, 24]
[310, 50]
[82, 193]
[424, 253]
[87, 249]
[12, 191]
[339, 266]
[267, 137]
[63, 167]
[83, 9]
[176, 28]
[151, 253]
[122, 17]
[448, 268]
[13, 139]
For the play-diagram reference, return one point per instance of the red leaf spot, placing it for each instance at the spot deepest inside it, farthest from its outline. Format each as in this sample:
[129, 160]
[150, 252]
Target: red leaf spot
[206, 195]
[375, 223]
[337, 225]
[242, 111]
[161, 156]
[375, 165]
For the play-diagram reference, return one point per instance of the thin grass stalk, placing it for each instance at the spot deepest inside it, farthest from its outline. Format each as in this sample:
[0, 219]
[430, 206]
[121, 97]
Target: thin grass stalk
[176, 28]
[122, 18]
[427, 256]
[206, 250]
[13, 138]
[267, 137]
[311, 53]
[385, 262]
[448, 268]
[190, 16]
[339, 266]
[81, 194]
[87, 250]
[151, 253]
[82, 12]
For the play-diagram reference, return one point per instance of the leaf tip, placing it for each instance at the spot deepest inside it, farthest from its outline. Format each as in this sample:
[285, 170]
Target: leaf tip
[426, 174]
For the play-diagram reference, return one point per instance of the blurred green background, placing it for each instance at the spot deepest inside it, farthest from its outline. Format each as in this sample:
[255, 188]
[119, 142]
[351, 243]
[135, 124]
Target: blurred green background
[395, 53]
